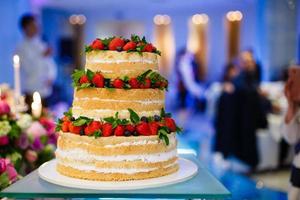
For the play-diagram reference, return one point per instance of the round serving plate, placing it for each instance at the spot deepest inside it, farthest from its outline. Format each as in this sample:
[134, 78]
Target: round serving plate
[187, 169]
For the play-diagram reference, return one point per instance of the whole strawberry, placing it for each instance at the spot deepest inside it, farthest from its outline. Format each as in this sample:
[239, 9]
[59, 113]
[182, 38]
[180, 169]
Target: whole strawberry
[93, 127]
[143, 129]
[65, 126]
[118, 83]
[74, 129]
[130, 127]
[97, 44]
[107, 130]
[98, 80]
[116, 44]
[154, 127]
[84, 79]
[146, 84]
[170, 123]
[134, 83]
[149, 48]
[129, 46]
[119, 130]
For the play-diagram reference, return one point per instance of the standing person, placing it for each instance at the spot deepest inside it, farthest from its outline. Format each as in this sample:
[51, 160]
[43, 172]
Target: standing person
[38, 70]
[291, 132]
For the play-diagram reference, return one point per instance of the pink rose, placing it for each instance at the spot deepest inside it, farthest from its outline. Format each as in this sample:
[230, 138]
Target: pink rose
[31, 156]
[36, 130]
[11, 172]
[4, 108]
[4, 140]
[48, 124]
[2, 165]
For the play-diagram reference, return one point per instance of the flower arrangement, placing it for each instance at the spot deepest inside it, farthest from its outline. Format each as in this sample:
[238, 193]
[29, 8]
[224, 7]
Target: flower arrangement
[25, 143]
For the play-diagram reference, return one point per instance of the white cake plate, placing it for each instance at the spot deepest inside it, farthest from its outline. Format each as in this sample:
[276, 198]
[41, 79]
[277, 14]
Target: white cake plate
[187, 169]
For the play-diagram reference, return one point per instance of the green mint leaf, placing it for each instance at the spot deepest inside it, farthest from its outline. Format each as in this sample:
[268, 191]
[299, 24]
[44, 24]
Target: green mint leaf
[115, 124]
[106, 41]
[109, 119]
[97, 133]
[135, 38]
[90, 74]
[88, 48]
[157, 52]
[123, 122]
[134, 117]
[110, 89]
[144, 40]
[68, 113]
[82, 121]
[179, 129]
[77, 74]
[162, 112]
[58, 125]
[163, 135]
[142, 77]
[126, 79]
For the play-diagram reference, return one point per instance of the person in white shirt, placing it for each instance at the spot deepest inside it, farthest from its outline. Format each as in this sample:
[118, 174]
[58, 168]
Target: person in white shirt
[38, 70]
[291, 132]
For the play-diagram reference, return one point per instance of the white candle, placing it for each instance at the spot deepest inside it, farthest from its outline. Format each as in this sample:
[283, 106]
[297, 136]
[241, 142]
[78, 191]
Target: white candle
[16, 61]
[36, 106]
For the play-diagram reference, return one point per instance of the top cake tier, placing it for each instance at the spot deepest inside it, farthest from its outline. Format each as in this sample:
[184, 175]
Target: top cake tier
[113, 64]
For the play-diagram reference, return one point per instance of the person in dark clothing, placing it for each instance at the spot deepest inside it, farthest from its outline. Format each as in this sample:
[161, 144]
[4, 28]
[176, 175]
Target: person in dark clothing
[240, 113]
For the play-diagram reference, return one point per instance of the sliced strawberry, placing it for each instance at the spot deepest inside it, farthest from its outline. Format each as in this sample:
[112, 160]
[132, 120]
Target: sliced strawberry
[148, 48]
[119, 130]
[143, 128]
[74, 129]
[116, 43]
[93, 127]
[98, 80]
[146, 84]
[154, 127]
[134, 83]
[65, 126]
[97, 44]
[170, 123]
[118, 83]
[129, 46]
[107, 130]
[130, 127]
[84, 79]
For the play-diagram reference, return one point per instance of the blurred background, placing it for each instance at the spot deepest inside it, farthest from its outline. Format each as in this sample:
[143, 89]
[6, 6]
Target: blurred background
[208, 49]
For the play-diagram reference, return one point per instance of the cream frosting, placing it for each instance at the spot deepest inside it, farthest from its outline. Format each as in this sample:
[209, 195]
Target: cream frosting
[145, 102]
[83, 155]
[113, 170]
[108, 60]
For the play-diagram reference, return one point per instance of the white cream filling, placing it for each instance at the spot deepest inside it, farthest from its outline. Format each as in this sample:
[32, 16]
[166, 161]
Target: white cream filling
[125, 101]
[107, 60]
[83, 155]
[113, 170]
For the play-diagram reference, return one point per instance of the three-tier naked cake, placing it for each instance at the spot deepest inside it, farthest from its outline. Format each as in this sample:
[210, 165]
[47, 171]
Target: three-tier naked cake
[117, 129]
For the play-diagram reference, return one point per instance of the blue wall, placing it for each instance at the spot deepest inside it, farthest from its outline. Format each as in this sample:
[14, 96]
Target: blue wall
[10, 11]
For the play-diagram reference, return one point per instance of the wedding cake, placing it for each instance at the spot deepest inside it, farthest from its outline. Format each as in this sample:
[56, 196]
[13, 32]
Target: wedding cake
[117, 128]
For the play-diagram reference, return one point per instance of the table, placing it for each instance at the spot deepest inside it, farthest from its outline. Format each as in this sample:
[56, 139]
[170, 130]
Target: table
[203, 185]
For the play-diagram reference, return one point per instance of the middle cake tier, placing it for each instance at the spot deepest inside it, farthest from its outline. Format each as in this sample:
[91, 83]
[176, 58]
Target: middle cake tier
[98, 103]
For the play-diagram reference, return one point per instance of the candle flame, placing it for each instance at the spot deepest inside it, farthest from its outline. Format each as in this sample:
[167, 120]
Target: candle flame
[16, 59]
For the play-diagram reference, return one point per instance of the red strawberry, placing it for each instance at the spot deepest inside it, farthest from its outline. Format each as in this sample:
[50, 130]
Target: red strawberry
[134, 83]
[65, 126]
[84, 79]
[118, 83]
[97, 44]
[130, 127]
[149, 48]
[143, 129]
[74, 129]
[116, 43]
[129, 46]
[107, 130]
[158, 84]
[98, 80]
[154, 128]
[119, 130]
[170, 123]
[146, 84]
[92, 128]
[164, 84]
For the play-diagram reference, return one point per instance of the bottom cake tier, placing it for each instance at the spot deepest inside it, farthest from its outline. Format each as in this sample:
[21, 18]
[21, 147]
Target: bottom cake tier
[115, 158]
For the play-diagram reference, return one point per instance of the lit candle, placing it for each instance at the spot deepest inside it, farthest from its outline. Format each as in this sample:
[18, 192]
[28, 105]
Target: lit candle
[16, 61]
[36, 106]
